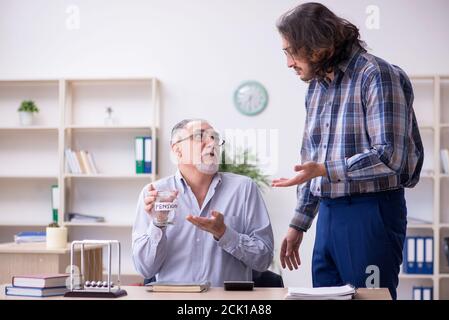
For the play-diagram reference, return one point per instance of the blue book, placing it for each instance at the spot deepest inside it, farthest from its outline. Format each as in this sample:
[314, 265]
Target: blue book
[35, 292]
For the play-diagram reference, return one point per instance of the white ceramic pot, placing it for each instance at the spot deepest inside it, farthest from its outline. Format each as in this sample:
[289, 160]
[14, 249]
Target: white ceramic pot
[56, 238]
[26, 118]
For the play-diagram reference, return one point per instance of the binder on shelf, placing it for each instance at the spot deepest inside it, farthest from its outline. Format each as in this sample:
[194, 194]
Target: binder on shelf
[409, 265]
[139, 154]
[428, 255]
[419, 254]
[147, 158]
[417, 293]
[55, 202]
[422, 293]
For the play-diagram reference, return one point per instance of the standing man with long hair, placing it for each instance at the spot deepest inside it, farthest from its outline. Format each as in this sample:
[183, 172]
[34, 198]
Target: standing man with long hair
[361, 147]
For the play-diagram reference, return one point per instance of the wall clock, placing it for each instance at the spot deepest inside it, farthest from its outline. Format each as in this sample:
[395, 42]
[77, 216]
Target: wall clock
[250, 98]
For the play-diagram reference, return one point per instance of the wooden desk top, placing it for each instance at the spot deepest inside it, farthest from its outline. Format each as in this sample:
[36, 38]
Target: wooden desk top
[141, 293]
[39, 247]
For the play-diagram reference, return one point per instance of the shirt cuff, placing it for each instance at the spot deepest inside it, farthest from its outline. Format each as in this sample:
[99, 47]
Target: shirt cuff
[155, 233]
[229, 240]
[297, 228]
[336, 170]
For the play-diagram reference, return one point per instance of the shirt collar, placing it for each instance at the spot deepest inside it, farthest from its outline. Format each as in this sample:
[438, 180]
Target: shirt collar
[348, 65]
[182, 183]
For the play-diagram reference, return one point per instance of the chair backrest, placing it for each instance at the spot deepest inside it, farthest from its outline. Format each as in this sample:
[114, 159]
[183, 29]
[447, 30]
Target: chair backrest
[267, 279]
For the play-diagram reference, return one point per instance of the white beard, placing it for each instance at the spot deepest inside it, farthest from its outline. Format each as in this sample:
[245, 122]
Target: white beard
[210, 169]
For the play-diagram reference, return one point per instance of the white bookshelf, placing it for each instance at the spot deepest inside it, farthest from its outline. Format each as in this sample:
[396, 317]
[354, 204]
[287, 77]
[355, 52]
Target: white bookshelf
[429, 200]
[72, 113]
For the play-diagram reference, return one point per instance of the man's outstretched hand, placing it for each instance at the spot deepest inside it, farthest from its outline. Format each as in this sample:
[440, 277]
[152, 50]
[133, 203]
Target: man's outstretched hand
[306, 172]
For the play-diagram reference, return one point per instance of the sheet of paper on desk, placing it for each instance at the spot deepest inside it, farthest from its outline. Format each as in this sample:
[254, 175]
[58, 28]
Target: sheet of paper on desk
[323, 293]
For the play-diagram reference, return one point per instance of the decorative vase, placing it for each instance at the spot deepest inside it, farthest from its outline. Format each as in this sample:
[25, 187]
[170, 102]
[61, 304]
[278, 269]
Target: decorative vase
[26, 118]
[56, 237]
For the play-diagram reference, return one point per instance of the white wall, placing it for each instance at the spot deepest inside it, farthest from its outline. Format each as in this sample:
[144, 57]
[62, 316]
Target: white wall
[201, 50]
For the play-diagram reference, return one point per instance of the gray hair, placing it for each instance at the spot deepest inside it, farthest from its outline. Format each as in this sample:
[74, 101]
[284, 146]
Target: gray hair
[181, 125]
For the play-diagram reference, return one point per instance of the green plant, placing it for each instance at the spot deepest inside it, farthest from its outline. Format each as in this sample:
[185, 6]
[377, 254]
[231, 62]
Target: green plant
[245, 168]
[28, 106]
[53, 225]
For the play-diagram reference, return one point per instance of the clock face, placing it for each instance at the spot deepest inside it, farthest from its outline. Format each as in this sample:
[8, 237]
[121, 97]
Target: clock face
[251, 98]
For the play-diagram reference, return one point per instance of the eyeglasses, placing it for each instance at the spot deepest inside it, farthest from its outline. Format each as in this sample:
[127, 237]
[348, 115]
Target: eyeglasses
[202, 135]
[288, 53]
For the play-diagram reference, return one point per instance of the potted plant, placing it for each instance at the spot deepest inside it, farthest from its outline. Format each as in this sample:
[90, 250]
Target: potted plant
[56, 236]
[26, 111]
[245, 168]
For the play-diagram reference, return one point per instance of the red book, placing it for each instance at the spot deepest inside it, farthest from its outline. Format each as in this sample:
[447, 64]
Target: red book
[40, 280]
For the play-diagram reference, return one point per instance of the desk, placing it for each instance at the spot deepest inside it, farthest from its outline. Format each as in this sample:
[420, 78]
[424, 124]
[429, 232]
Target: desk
[35, 258]
[140, 293]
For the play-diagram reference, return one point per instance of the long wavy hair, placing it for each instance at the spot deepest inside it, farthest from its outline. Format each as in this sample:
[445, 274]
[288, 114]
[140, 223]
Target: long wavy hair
[319, 36]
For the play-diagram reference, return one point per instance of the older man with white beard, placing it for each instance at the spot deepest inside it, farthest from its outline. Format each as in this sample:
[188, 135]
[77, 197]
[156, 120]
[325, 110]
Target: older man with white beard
[221, 230]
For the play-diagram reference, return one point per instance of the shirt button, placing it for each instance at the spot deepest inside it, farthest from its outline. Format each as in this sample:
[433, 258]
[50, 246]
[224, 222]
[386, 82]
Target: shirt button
[327, 125]
[318, 189]
[197, 239]
[324, 147]
[338, 180]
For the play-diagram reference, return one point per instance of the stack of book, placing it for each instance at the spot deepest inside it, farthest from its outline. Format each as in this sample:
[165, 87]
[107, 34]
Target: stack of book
[80, 162]
[30, 236]
[44, 285]
[323, 293]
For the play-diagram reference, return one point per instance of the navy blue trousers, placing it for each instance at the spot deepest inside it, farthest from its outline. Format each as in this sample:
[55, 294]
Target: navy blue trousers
[358, 231]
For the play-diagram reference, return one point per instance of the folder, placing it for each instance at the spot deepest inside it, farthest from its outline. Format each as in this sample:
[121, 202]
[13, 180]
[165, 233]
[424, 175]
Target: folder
[428, 255]
[427, 293]
[148, 145]
[409, 265]
[417, 293]
[55, 202]
[420, 255]
[139, 153]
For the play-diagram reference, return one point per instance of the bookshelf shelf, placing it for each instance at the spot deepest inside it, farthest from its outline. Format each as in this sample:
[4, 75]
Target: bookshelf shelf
[108, 128]
[98, 224]
[37, 176]
[110, 176]
[29, 128]
[420, 226]
[416, 276]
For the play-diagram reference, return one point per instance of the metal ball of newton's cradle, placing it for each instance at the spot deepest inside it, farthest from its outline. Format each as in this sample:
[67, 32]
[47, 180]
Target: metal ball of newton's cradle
[92, 288]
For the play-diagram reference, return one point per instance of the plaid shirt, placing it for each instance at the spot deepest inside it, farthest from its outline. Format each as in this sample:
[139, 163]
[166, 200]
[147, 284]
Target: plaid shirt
[363, 128]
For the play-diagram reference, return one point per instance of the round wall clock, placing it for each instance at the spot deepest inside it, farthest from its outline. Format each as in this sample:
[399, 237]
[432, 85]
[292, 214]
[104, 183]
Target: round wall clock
[251, 98]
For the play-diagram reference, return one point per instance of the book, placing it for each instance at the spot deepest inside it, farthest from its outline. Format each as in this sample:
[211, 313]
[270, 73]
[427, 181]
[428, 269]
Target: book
[85, 161]
[30, 236]
[40, 280]
[35, 292]
[346, 292]
[178, 286]
[445, 160]
[92, 163]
